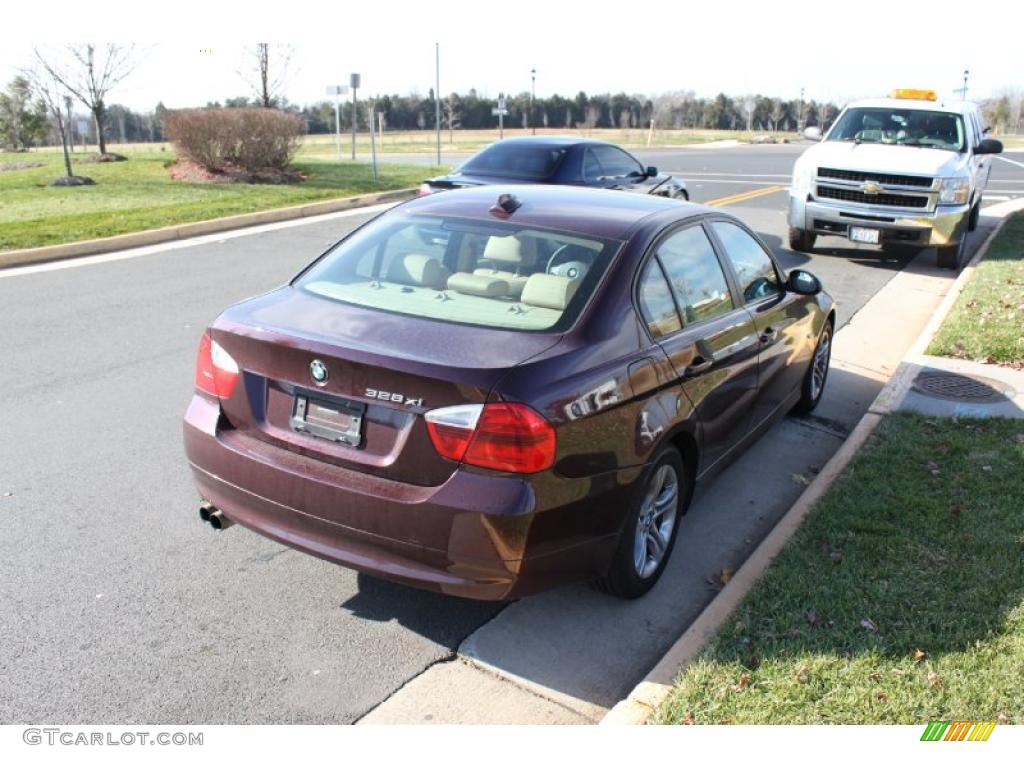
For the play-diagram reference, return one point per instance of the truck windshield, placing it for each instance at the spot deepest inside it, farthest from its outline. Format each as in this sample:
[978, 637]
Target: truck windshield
[907, 127]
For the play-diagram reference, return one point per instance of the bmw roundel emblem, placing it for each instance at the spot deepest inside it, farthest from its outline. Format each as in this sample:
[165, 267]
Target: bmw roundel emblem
[318, 370]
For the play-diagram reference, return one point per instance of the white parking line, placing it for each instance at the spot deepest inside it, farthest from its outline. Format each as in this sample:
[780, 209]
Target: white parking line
[1011, 162]
[701, 182]
[148, 250]
[684, 174]
[987, 196]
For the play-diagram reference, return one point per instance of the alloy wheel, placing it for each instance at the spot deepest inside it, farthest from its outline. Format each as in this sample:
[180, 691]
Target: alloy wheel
[656, 521]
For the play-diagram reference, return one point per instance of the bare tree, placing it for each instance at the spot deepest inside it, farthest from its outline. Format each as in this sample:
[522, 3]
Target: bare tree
[452, 114]
[267, 72]
[90, 71]
[49, 88]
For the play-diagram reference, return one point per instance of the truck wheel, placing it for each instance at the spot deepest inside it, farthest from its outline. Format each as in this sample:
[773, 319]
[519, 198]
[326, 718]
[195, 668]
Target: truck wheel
[950, 256]
[801, 239]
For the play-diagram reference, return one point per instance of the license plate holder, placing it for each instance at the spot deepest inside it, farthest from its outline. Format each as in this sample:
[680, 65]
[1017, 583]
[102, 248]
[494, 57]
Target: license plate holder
[334, 420]
[865, 235]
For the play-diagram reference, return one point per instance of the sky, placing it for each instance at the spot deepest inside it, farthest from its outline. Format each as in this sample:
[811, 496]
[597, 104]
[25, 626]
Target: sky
[192, 52]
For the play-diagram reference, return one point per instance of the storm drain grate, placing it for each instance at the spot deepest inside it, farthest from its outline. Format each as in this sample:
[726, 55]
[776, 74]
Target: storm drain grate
[953, 386]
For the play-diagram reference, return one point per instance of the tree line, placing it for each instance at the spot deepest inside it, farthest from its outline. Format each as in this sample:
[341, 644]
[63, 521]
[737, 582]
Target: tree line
[24, 123]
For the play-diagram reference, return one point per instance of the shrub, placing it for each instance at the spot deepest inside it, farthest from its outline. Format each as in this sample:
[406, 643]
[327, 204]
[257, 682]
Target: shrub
[251, 139]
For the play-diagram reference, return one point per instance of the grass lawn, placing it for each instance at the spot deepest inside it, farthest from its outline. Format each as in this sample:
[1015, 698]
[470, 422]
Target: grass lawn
[987, 321]
[323, 145]
[900, 600]
[140, 194]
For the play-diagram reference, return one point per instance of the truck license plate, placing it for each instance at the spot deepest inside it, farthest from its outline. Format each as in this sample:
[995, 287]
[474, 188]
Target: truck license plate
[864, 235]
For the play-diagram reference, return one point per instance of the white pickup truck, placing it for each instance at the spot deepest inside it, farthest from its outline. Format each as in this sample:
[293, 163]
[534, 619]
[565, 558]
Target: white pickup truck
[903, 172]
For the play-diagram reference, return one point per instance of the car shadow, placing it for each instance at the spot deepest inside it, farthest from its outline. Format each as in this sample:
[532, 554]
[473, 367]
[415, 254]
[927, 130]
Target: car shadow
[442, 619]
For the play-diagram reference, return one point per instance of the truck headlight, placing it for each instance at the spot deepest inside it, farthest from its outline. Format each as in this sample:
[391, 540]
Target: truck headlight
[803, 178]
[955, 191]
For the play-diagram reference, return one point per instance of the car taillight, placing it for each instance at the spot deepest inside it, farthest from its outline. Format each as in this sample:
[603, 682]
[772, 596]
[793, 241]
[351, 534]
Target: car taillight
[425, 189]
[507, 436]
[216, 370]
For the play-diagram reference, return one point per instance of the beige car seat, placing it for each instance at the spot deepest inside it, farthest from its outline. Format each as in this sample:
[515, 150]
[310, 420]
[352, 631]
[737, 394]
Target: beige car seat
[511, 255]
[418, 269]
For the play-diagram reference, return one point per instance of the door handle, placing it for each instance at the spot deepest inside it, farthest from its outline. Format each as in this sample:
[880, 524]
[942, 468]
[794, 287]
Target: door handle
[698, 366]
[769, 334]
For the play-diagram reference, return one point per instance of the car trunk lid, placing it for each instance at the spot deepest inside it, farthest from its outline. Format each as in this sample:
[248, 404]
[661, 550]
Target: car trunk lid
[385, 369]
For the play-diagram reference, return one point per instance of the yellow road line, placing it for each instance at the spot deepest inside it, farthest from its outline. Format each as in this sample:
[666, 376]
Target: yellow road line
[739, 198]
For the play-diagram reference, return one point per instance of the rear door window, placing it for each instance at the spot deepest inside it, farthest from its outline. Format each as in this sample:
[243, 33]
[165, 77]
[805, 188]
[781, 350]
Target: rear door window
[695, 274]
[657, 307]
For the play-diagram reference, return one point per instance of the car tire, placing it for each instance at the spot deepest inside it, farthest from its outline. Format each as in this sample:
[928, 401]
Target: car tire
[635, 568]
[813, 385]
[950, 256]
[801, 239]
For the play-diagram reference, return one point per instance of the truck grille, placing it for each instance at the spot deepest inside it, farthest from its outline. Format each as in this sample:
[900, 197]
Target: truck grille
[855, 196]
[881, 178]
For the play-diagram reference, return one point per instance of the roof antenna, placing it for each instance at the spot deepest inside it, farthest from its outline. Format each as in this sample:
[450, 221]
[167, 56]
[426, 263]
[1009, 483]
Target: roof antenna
[507, 205]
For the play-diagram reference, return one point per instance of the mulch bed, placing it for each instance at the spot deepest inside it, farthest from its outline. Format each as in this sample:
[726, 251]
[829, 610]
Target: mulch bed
[189, 171]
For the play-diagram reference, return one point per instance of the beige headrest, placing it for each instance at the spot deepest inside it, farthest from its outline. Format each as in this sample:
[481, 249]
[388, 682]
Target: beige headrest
[551, 291]
[511, 250]
[417, 269]
[477, 285]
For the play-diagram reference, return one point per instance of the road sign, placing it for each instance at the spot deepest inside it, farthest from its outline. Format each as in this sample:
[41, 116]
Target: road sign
[498, 111]
[337, 90]
[353, 80]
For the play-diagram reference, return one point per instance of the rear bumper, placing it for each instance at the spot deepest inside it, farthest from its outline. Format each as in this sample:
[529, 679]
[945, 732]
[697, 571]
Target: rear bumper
[476, 535]
[947, 225]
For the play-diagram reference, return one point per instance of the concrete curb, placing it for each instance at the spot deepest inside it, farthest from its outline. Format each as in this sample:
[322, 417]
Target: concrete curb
[196, 228]
[655, 688]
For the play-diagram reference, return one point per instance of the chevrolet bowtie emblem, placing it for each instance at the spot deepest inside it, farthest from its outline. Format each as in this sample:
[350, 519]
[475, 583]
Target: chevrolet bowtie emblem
[870, 188]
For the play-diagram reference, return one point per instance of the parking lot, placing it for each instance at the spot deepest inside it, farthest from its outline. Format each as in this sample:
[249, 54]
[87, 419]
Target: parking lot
[120, 606]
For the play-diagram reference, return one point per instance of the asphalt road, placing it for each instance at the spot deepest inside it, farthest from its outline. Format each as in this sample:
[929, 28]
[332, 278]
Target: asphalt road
[117, 604]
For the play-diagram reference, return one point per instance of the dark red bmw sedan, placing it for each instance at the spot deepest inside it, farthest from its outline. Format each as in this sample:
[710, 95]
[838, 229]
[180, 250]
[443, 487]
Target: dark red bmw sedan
[496, 390]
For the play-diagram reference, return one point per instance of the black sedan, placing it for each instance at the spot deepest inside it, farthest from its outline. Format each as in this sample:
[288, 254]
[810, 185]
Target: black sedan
[559, 160]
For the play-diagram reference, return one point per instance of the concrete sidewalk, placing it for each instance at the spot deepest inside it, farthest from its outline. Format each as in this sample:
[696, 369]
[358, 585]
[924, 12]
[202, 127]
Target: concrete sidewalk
[569, 655]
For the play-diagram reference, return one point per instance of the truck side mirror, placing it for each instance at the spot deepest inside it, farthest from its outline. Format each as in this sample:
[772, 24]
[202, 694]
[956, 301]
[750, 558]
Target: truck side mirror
[812, 133]
[989, 147]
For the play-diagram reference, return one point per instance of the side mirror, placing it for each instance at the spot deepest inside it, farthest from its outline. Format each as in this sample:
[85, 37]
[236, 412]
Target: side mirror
[812, 133]
[651, 171]
[803, 282]
[989, 147]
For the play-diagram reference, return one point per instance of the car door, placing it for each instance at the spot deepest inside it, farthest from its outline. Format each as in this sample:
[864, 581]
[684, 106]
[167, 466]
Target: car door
[612, 168]
[711, 341]
[784, 320]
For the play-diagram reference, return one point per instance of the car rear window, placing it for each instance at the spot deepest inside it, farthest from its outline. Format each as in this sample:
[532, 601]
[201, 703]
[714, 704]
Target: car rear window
[515, 161]
[474, 272]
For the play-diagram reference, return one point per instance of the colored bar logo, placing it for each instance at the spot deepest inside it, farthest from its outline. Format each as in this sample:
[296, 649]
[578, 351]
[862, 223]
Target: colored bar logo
[958, 730]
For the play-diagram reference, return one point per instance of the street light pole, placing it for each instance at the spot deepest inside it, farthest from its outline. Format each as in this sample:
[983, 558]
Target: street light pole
[800, 116]
[437, 97]
[533, 97]
[354, 83]
[963, 96]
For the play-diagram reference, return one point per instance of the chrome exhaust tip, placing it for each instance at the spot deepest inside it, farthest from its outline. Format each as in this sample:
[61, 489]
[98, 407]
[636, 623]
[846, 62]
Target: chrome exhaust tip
[219, 521]
[206, 510]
